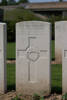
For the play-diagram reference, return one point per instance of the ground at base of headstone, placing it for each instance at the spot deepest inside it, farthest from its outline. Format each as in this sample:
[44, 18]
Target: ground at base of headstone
[15, 96]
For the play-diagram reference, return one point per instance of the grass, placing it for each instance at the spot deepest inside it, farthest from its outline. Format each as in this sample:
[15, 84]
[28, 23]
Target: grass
[56, 78]
[11, 48]
[11, 76]
[52, 49]
[11, 54]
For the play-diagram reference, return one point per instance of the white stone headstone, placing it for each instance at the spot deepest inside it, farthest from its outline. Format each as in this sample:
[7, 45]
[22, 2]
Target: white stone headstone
[60, 34]
[2, 58]
[61, 50]
[33, 57]
[64, 62]
[64, 70]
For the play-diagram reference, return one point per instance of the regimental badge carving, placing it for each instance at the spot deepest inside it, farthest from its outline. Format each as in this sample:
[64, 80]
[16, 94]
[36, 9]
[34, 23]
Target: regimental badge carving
[33, 55]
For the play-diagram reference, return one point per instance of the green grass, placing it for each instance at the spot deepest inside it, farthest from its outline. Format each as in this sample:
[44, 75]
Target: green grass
[11, 50]
[11, 76]
[52, 49]
[56, 78]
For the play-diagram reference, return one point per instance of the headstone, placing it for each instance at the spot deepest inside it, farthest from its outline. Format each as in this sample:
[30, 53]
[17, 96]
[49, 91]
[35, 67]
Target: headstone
[64, 63]
[33, 57]
[60, 34]
[64, 71]
[2, 58]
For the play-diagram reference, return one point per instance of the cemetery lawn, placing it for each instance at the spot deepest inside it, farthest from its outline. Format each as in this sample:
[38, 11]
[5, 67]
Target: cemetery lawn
[52, 49]
[56, 77]
[11, 76]
[11, 50]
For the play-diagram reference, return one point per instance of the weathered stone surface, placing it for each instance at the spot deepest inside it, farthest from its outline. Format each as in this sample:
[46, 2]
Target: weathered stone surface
[60, 34]
[2, 57]
[33, 57]
[64, 71]
[61, 50]
[64, 64]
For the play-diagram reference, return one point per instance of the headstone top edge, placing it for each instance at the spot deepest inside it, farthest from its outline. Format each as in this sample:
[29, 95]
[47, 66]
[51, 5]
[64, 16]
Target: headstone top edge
[32, 22]
[2, 23]
[60, 21]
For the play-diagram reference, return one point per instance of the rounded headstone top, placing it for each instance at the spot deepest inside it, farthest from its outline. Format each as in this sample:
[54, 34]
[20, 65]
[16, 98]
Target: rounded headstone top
[2, 23]
[61, 22]
[32, 22]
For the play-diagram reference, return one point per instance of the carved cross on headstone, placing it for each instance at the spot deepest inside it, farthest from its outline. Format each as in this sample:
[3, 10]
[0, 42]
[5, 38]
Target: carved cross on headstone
[32, 54]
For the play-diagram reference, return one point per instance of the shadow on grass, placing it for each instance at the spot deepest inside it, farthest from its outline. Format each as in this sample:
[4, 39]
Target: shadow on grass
[56, 89]
[56, 78]
[11, 87]
[53, 59]
[11, 78]
[11, 58]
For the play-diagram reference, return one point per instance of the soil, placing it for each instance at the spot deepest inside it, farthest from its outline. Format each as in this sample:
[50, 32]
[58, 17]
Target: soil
[11, 95]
